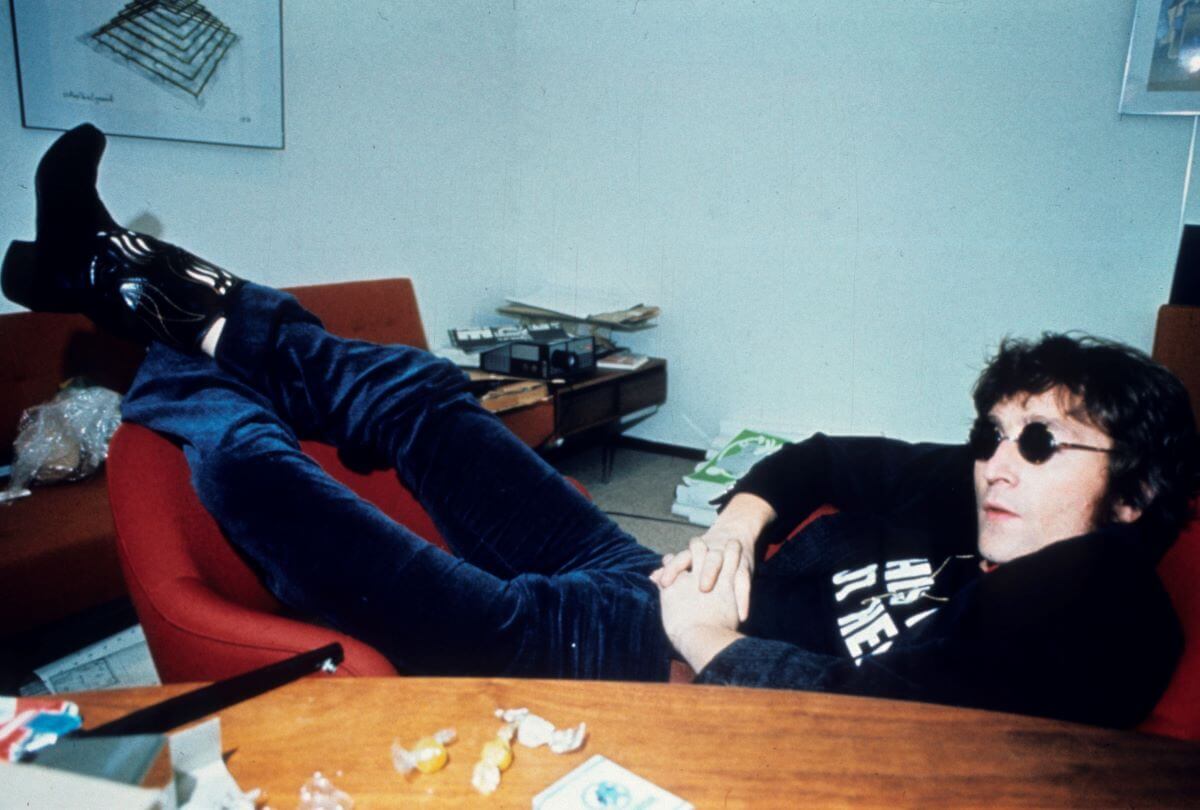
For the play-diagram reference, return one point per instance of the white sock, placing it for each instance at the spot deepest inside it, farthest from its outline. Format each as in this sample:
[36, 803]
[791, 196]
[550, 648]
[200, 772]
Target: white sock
[208, 344]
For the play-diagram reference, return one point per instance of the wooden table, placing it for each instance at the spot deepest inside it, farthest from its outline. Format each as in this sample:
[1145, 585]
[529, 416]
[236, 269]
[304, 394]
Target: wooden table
[714, 746]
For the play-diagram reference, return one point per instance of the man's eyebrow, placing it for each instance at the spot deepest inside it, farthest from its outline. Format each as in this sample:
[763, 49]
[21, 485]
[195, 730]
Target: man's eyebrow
[1048, 421]
[1068, 426]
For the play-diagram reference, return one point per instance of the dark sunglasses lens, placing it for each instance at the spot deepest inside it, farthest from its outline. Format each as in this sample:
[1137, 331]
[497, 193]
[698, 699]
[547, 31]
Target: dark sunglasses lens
[984, 440]
[1036, 443]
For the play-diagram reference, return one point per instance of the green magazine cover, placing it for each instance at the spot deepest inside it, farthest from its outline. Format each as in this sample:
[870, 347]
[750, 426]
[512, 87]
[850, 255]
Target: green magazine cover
[745, 450]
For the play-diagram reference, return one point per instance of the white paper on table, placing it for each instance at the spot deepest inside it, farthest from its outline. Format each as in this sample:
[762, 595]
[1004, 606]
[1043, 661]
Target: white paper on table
[600, 782]
[29, 785]
[201, 779]
[117, 661]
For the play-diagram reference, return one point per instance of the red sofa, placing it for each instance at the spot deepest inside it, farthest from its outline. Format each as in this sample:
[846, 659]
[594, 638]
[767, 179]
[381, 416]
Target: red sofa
[57, 552]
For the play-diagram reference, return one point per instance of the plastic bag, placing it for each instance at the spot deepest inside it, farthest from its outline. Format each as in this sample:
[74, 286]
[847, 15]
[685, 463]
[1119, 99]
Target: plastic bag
[66, 438]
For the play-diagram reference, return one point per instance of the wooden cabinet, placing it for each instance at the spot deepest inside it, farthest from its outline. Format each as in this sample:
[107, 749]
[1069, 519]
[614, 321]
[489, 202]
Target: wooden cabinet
[607, 398]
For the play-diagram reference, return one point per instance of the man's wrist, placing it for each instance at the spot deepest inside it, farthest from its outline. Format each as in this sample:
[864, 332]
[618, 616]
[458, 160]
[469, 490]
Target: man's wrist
[746, 516]
[701, 643]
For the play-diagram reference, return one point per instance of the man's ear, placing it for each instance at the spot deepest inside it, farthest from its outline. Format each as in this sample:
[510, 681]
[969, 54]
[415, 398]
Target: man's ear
[1124, 513]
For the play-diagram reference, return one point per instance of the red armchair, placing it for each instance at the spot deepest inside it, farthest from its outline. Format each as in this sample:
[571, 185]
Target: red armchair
[205, 614]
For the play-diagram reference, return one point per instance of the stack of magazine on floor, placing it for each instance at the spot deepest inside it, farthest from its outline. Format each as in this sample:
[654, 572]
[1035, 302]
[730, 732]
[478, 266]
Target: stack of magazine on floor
[730, 456]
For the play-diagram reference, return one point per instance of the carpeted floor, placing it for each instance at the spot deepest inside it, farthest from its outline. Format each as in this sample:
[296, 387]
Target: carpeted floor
[639, 495]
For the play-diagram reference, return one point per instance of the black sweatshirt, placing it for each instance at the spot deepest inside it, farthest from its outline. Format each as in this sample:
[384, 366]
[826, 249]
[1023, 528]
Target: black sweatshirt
[887, 597]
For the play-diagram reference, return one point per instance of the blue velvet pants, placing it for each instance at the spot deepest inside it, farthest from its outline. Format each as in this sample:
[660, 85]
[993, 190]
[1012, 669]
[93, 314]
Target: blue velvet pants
[543, 584]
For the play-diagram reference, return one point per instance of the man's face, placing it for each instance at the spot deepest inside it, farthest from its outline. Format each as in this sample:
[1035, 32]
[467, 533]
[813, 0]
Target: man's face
[1022, 506]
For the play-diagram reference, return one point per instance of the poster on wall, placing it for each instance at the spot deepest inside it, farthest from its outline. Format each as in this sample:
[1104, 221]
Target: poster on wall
[1162, 69]
[183, 70]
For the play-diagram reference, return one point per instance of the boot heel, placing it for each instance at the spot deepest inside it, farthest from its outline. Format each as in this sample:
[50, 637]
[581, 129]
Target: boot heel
[17, 274]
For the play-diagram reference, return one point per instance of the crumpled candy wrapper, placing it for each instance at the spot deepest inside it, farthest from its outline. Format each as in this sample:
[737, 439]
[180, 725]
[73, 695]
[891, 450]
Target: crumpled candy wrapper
[485, 778]
[533, 731]
[318, 793]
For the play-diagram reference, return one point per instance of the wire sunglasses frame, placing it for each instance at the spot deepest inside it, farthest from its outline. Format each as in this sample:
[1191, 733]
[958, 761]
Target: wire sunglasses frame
[1036, 443]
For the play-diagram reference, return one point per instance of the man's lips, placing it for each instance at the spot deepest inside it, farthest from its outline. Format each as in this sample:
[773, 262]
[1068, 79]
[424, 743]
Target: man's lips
[995, 511]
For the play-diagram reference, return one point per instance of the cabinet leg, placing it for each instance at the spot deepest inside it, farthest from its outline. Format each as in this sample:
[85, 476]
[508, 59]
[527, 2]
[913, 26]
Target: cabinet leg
[608, 453]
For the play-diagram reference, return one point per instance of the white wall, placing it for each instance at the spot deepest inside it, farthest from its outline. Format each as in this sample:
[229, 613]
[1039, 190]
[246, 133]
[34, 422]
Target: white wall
[841, 207]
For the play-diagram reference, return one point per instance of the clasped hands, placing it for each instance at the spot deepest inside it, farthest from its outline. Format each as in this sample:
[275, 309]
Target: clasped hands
[705, 593]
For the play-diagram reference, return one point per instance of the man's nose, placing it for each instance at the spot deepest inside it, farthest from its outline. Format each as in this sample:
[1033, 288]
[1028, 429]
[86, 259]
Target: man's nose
[1004, 463]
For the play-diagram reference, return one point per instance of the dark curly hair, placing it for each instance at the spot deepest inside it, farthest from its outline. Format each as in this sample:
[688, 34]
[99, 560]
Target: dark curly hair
[1141, 405]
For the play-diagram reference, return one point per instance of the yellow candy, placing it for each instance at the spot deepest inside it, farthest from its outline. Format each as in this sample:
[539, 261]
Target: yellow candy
[430, 755]
[497, 752]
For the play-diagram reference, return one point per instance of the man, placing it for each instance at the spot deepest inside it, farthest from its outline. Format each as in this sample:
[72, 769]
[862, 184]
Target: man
[1082, 461]
[1033, 590]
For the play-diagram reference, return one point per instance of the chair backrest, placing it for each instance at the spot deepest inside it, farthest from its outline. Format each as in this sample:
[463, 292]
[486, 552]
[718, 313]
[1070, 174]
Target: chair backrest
[1177, 346]
[1178, 711]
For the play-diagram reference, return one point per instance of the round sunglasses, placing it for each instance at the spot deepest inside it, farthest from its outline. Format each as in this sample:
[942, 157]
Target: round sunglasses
[1036, 444]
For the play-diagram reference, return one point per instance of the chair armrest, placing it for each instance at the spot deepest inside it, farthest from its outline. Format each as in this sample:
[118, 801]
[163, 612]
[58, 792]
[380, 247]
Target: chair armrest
[223, 638]
[819, 512]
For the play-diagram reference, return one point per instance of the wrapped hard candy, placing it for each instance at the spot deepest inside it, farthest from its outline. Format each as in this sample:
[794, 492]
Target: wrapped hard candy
[427, 755]
[497, 752]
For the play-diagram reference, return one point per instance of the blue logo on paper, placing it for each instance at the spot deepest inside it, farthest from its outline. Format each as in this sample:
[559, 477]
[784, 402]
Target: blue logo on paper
[602, 795]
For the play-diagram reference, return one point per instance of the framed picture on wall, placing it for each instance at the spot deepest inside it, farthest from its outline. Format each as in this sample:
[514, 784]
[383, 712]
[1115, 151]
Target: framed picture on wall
[1162, 69]
[184, 70]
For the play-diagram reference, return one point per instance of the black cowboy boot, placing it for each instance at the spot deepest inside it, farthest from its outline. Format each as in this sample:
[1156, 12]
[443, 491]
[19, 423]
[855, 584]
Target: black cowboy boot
[82, 261]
